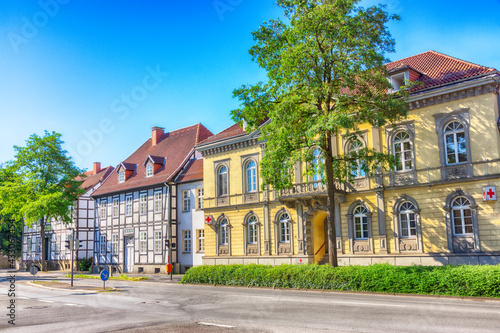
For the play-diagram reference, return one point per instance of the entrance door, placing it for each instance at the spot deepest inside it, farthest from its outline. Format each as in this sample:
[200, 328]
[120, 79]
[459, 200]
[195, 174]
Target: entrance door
[47, 248]
[326, 234]
[129, 254]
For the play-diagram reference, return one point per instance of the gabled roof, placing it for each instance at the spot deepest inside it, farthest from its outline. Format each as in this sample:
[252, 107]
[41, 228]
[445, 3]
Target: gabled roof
[176, 146]
[193, 171]
[438, 69]
[155, 160]
[92, 180]
[229, 132]
[127, 166]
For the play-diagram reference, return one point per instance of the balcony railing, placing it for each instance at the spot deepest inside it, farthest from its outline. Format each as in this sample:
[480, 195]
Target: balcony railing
[309, 188]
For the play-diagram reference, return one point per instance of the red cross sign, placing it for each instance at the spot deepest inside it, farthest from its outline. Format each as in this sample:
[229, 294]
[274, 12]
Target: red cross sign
[209, 219]
[489, 193]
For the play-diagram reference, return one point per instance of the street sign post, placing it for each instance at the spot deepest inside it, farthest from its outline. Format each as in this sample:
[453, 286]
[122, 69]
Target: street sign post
[104, 277]
[33, 271]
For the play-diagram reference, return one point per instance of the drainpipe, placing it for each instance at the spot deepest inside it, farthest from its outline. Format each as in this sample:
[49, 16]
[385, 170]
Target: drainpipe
[169, 226]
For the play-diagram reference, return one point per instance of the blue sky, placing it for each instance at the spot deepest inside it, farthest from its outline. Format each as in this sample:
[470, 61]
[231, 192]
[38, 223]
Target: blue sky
[103, 73]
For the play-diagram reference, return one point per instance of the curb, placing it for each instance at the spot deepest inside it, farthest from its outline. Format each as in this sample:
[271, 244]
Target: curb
[61, 289]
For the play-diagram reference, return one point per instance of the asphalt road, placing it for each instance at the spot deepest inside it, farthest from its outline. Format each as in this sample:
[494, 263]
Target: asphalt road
[161, 306]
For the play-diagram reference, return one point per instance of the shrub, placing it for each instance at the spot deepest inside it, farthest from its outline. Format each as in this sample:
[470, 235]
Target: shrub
[84, 264]
[478, 281]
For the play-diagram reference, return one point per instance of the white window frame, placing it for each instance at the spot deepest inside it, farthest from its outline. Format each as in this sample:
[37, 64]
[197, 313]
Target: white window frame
[186, 241]
[143, 242]
[29, 248]
[284, 228]
[407, 213]
[186, 201]
[116, 207]
[199, 197]
[460, 210]
[121, 176]
[143, 204]
[222, 181]
[158, 247]
[453, 133]
[405, 164]
[114, 241]
[251, 176]
[157, 201]
[361, 220]
[200, 240]
[149, 170]
[354, 146]
[223, 232]
[128, 205]
[104, 207]
[102, 245]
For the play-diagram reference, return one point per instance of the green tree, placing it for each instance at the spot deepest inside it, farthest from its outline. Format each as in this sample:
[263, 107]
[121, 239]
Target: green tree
[39, 184]
[325, 75]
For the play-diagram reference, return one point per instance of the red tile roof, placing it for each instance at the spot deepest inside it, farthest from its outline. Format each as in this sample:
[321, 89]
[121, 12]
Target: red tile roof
[229, 132]
[91, 180]
[175, 146]
[193, 171]
[438, 68]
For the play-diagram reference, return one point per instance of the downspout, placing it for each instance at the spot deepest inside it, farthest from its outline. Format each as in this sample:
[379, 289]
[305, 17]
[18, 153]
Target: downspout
[169, 226]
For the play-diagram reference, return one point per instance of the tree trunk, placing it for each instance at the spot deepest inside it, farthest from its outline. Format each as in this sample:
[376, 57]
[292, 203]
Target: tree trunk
[332, 248]
[42, 241]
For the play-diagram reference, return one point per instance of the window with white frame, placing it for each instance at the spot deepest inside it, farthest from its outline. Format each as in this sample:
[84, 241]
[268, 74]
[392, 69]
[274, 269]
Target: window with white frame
[149, 170]
[223, 232]
[143, 242]
[114, 240]
[103, 208]
[121, 176]
[58, 245]
[143, 203]
[38, 244]
[157, 202]
[116, 207]
[186, 238]
[158, 243]
[454, 138]
[358, 168]
[407, 220]
[128, 205]
[28, 245]
[316, 163]
[252, 229]
[199, 198]
[461, 214]
[251, 176]
[402, 151]
[284, 228]
[222, 188]
[200, 240]
[102, 245]
[360, 223]
[186, 201]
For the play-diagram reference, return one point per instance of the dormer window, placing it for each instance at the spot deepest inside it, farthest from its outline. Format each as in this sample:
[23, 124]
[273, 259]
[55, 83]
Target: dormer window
[149, 170]
[398, 80]
[121, 176]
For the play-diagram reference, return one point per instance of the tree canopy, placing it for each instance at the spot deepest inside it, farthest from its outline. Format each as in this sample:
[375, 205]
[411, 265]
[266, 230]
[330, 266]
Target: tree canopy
[325, 76]
[40, 183]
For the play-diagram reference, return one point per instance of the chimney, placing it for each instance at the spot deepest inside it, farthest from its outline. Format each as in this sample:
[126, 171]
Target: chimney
[156, 135]
[97, 167]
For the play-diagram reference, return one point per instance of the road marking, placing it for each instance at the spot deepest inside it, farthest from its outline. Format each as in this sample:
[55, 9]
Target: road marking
[22, 297]
[217, 325]
[70, 304]
[46, 301]
[370, 304]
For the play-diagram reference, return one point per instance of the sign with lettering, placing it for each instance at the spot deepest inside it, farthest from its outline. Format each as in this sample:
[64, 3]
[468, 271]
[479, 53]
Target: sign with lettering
[489, 193]
[209, 219]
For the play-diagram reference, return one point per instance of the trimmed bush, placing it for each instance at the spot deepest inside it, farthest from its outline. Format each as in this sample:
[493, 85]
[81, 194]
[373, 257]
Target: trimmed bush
[476, 281]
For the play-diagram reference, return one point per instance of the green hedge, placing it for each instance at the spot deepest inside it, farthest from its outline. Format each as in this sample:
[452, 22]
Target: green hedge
[477, 281]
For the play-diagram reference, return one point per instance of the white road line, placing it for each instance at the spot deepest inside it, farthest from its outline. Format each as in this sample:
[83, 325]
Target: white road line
[217, 325]
[70, 304]
[22, 297]
[46, 301]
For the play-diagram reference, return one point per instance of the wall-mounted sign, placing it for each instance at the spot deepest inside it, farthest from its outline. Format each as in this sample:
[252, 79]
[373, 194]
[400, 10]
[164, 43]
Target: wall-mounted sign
[209, 219]
[489, 193]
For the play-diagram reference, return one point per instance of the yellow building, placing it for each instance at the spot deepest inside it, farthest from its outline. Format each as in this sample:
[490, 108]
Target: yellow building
[430, 210]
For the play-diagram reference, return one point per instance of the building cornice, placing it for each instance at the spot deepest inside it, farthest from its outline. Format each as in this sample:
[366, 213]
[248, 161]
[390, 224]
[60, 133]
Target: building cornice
[470, 88]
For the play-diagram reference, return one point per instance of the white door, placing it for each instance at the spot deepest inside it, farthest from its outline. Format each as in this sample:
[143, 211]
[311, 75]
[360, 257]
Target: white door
[129, 254]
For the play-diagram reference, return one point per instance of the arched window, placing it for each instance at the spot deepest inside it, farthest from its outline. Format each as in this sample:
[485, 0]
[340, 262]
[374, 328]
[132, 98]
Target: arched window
[454, 138]
[462, 217]
[318, 176]
[223, 232]
[402, 150]
[407, 220]
[251, 176]
[360, 223]
[358, 171]
[284, 228]
[252, 229]
[222, 181]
